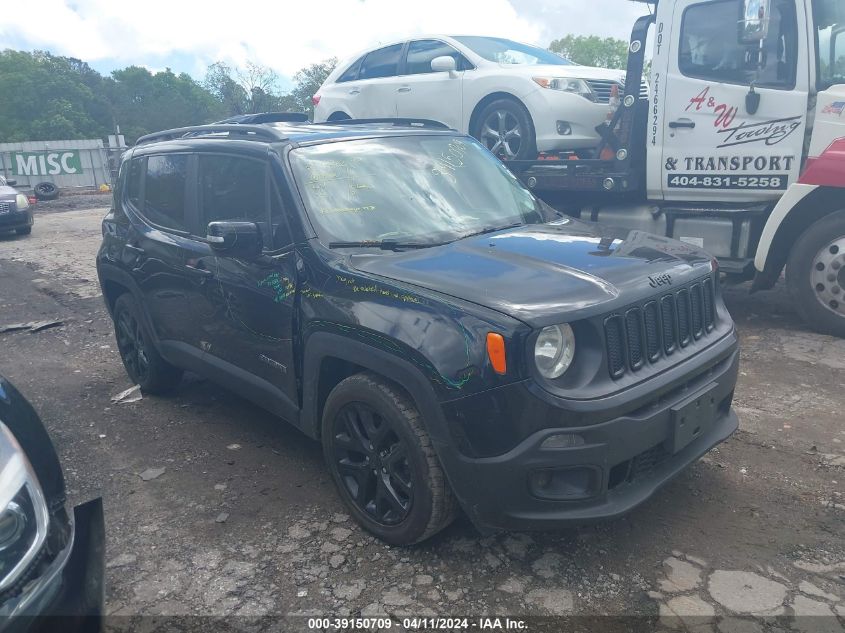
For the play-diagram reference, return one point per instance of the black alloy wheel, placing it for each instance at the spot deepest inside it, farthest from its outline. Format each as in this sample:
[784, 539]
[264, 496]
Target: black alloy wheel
[382, 460]
[130, 343]
[142, 361]
[373, 464]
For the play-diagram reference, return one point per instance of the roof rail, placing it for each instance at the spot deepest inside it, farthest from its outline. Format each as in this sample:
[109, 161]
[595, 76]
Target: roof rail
[395, 121]
[268, 117]
[247, 132]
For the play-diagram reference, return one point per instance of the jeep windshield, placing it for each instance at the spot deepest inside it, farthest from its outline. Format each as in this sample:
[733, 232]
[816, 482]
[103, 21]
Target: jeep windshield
[414, 190]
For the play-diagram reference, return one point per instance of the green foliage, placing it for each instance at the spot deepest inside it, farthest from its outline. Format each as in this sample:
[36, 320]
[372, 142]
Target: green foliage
[307, 82]
[47, 97]
[607, 52]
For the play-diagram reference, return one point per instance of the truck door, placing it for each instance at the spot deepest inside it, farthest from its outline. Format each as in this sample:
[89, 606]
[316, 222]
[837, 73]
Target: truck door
[716, 145]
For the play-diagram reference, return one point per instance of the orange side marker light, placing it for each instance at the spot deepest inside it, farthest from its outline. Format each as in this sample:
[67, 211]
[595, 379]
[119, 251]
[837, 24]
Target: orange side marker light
[496, 352]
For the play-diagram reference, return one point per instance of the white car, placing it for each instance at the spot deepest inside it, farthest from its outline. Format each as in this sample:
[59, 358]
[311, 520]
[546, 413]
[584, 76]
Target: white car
[517, 99]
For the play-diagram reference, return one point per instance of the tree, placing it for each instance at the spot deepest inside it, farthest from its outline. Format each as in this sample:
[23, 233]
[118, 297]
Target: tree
[44, 97]
[253, 89]
[592, 50]
[143, 102]
[307, 82]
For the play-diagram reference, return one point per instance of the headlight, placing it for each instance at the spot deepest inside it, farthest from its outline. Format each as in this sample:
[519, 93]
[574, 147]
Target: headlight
[554, 350]
[21, 201]
[23, 510]
[566, 84]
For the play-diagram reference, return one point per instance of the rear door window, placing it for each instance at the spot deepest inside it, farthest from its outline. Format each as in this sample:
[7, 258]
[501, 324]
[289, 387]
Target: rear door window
[165, 190]
[381, 63]
[421, 52]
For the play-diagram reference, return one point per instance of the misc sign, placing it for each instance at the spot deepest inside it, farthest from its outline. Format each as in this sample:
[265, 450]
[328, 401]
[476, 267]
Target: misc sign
[46, 163]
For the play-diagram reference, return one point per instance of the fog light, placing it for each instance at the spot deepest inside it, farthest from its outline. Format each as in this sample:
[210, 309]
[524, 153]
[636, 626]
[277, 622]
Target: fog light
[564, 440]
[563, 128]
[564, 484]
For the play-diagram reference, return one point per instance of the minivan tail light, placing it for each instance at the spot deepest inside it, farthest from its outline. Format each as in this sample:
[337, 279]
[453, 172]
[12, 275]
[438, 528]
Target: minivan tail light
[315, 99]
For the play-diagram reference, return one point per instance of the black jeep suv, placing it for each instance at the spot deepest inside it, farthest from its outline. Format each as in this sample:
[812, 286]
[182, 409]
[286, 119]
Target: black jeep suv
[390, 288]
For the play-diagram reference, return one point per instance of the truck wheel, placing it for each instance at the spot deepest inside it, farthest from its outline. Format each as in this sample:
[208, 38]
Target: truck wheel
[382, 461]
[815, 274]
[143, 363]
[505, 127]
[25, 230]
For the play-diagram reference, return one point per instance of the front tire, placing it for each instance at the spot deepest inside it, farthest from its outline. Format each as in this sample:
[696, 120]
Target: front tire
[815, 275]
[383, 463]
[26, 230]
[141, 360]
[505, 128]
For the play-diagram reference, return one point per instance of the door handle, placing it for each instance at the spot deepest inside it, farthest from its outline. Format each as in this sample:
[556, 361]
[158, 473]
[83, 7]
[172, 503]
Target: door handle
[685, 123]
[202, 273]
[135, 250]
[404, 89]
[355, 91]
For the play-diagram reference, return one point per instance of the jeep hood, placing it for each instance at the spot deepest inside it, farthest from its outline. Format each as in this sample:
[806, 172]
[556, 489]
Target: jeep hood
[547, 273]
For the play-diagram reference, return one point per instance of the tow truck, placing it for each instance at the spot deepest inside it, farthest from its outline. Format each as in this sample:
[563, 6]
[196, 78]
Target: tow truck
[739, 147]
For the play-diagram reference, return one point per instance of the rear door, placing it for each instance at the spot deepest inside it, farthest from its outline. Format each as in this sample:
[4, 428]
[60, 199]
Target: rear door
[714, 146]
[159, 251]
[425, 94]
[374, 94]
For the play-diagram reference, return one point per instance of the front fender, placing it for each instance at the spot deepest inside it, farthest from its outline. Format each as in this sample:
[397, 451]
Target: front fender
[789, 201]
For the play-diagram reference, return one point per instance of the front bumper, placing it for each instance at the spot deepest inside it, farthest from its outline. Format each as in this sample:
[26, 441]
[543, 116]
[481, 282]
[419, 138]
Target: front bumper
[615, 465]
[11, 220]
[68, 594]
[547, 107]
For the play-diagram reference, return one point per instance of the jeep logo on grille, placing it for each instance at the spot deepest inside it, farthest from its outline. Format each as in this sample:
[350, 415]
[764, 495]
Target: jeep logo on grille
[655, 281]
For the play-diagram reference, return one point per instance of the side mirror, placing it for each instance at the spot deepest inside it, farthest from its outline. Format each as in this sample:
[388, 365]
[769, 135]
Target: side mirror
[235, 239]
[11, 183]
[754, 21]
[443, 64]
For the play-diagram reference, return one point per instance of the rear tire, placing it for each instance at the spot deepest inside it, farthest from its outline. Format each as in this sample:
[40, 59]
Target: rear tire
[383, 463]
[141, 360]
[25, 230]
[505, 128]
[815, 275]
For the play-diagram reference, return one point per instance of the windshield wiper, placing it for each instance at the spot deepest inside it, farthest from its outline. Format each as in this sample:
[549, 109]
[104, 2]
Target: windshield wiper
[491, 229]
[385, 245]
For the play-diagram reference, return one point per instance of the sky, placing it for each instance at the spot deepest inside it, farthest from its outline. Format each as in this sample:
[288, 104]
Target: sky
[188, 35]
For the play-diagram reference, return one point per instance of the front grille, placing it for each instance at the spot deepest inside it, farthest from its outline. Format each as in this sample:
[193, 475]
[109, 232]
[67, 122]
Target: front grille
[6, 207]
[656, 330]
[603, 87]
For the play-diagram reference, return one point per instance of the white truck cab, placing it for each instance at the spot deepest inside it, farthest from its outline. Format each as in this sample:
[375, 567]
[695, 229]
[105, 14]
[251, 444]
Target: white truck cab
[740, 148]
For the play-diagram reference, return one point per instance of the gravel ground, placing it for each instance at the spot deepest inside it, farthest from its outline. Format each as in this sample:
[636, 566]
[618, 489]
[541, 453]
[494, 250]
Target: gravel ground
[243, 518]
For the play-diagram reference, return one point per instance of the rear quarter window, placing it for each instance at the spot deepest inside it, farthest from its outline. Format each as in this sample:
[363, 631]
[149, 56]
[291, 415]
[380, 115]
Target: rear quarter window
[351, 73]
